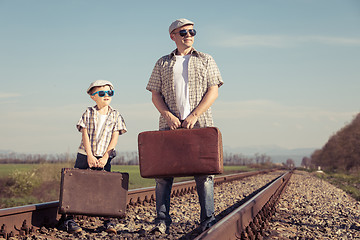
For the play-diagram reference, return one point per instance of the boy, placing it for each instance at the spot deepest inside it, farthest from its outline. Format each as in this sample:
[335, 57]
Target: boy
[100, 126]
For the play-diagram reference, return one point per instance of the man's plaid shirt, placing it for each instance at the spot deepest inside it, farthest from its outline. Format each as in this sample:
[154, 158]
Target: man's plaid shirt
[203, 73]
[89, 120]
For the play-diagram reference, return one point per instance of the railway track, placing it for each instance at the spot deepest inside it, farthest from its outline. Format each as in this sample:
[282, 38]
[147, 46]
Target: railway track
[245, 221]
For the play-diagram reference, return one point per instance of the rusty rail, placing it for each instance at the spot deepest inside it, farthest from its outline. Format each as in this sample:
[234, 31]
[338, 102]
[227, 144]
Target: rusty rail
[24, 219]
[249, 220]
[16, 220]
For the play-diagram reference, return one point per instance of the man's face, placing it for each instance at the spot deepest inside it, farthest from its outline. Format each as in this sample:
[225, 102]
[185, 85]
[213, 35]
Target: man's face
[185, 41]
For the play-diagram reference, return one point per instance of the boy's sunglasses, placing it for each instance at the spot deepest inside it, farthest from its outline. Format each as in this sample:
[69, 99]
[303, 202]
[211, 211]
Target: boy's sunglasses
[110, 93]
[184, 32]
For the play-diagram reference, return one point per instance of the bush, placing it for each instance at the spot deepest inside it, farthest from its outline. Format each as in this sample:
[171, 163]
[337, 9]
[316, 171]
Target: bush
[23, 183]
[39, 184]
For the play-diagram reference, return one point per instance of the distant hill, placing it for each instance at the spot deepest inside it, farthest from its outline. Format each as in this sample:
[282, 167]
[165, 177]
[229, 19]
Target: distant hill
[5, 151]
[277, 154]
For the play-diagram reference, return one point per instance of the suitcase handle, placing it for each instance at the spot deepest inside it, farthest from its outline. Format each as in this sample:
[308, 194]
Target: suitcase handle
[97, 169]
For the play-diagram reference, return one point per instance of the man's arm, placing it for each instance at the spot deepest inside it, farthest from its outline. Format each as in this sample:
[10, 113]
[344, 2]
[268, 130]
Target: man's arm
[160, 105]
[206, 102]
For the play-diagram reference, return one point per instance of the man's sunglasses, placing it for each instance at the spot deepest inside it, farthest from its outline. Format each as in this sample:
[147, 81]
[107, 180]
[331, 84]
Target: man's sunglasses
[110, 93]
[184, 32]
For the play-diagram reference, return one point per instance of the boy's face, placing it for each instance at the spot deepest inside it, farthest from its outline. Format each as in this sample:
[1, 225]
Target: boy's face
[101, 101]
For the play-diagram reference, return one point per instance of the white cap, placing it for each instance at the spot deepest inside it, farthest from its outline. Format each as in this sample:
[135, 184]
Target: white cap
[100, 83]
[179, 23]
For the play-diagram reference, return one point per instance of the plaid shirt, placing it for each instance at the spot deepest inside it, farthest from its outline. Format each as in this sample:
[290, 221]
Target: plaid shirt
[202, 72]
[89, 120]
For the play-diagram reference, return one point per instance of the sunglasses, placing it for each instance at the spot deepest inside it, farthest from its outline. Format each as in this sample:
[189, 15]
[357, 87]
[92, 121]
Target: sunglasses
[110, 93]
[184, 32]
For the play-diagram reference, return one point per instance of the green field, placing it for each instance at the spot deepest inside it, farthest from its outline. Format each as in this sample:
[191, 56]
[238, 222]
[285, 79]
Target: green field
[22, 184]
[136, 181]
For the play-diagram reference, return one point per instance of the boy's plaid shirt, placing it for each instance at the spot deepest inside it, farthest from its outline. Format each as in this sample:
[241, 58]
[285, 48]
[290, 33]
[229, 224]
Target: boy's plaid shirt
[89, 120]
[203, 73]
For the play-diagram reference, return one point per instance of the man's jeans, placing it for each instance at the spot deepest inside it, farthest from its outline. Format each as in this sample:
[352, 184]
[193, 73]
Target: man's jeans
[205, 189]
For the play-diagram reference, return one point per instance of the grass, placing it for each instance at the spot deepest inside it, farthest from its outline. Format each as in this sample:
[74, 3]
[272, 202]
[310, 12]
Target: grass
[136, 181]
[350, 183]
[7, 169]
[22, 184]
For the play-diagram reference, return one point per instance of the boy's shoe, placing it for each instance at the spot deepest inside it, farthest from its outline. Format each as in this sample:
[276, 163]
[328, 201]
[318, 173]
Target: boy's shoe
[71, 226]
[110, 227]
[160, 228]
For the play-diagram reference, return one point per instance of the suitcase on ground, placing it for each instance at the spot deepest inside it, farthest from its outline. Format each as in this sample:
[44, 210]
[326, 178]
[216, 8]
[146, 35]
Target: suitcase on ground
[180, 152]
[93, 193]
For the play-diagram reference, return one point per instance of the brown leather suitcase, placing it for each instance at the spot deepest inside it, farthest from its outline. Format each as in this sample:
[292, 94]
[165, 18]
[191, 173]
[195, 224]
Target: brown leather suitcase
[180, 152]
[93, 193]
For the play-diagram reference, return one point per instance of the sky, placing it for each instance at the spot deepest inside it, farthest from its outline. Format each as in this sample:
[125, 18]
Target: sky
[291, 69]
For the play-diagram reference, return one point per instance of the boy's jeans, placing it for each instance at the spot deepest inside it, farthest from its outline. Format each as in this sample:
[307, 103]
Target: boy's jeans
[205, 189]
[81, 162]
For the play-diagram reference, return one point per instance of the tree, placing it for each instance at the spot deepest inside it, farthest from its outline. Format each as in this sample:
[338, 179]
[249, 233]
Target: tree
[306, 162]
[289, 163]
[342, 151]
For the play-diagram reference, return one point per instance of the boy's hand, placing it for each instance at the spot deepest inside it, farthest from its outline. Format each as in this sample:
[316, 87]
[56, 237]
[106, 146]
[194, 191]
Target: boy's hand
[102, 161]
[92, 161]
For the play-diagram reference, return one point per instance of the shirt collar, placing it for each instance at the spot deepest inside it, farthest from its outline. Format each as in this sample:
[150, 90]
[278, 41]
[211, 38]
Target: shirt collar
[95, 108]
[192, 52]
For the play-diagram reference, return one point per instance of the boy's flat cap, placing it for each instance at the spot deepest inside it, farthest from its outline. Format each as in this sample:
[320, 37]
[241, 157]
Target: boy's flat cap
[179, 23]
[100, 83]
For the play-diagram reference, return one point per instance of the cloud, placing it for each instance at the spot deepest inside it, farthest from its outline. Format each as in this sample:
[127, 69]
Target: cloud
[9, 95]
[268, 108]
[265, 122]
[283, 41]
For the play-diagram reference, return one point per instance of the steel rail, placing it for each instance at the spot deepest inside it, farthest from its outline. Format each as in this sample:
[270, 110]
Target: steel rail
[248, 220]
[141, 195]
[24, 219]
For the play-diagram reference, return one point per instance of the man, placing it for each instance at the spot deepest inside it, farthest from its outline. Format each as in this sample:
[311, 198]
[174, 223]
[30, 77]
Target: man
[184, 84]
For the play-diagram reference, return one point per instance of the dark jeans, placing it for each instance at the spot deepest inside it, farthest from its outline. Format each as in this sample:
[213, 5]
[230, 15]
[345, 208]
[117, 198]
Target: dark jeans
[81, 162]
[205, 190]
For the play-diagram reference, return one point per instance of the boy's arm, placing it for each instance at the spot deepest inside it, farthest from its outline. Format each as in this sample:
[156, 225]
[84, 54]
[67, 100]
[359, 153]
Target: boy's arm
[92, 161]
[112, 145]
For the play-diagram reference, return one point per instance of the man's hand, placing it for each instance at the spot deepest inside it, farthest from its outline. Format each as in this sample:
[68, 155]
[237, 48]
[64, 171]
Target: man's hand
[206, 102]
[172, 121]
[190, 121]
